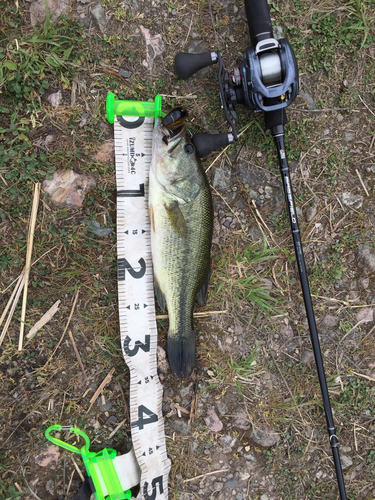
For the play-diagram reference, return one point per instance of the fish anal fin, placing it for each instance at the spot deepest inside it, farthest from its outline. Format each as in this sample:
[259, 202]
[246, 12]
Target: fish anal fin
[176, 218]
[159, 295]
[202, 292]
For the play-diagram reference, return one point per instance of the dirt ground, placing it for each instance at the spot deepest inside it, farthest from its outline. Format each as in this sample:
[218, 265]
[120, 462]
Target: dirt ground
[259, 429]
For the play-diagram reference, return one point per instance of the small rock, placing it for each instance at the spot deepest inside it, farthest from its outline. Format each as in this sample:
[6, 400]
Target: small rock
[180, 426]
[240, 419]
[346, 461]
[222, 178]
[307, 357]
[98, 13]
[249, 175]
[277, 32]
[227, 442]
[68, 188]
[104, 406]
[154, 46]
[366, 315]
[222, 408]
[50, 487]
[232, 483]
[50, 453]
[94, 228]
[288, 332]
[330, 321]
[111, 420]
[367, 257]
[250, 456]
[339, 118]
[55, 98]
[265, 436]
[307, 98]
[163, 365]
[264, 497]
[56, 8]
[310, 213]
[349, 136]
[106, 152]
[299, 213]
[124, 73]
[352, 200]
[365, 283]
[212, 421]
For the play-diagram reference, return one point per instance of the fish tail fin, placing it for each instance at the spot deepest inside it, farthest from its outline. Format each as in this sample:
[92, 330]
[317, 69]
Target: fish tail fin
[181, 353]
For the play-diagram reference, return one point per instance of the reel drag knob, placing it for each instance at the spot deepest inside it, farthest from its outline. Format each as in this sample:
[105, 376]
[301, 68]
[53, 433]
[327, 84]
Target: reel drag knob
[188, 64]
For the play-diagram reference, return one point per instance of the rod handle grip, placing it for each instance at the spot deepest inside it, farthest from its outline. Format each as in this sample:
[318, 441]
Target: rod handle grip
[188, 64]
[206, 143]
[259, 20]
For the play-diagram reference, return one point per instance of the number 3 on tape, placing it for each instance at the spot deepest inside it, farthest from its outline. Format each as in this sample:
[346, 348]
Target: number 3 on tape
[136, 303]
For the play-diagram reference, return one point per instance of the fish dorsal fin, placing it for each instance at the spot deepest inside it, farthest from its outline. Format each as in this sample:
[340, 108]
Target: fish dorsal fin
[176, 218]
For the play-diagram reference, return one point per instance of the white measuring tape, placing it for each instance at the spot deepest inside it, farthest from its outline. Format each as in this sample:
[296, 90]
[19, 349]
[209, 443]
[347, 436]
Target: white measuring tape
[133, 146]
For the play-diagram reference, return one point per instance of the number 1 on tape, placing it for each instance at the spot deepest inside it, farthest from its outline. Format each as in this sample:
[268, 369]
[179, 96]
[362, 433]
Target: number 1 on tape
[133, 146]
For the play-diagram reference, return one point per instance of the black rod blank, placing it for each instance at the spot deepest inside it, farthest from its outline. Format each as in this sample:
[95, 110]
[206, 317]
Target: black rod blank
[278, 135]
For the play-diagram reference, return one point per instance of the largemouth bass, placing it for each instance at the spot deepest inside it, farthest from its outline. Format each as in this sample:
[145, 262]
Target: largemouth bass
[180, 206]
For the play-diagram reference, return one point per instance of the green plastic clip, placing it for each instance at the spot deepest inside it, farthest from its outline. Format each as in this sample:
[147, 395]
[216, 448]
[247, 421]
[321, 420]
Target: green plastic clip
[99, 466]
[132, 108]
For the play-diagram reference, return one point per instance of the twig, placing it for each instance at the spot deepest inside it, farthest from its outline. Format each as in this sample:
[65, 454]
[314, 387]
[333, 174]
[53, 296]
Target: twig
[187, 36]
[366, 105]
[193, 403]
[16, 297]
[78, 469]
[364, 376]
[43, 320]
[179, 96]
[30, 240]
[107, 379]
[35, 261]
[66, 327]
[361, 181]
[77, 355]
[69, 484]
[117, 428]
[264, 224]
[109, 71]
[204, 475]
[204, 314]
[224, 200]
[27, 484]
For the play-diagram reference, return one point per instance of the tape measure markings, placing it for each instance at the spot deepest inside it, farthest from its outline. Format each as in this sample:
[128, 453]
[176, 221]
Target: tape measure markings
[133, 146]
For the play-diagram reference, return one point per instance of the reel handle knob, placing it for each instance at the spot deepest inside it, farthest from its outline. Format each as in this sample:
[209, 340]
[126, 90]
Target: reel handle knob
[188, 64]
[206, 143]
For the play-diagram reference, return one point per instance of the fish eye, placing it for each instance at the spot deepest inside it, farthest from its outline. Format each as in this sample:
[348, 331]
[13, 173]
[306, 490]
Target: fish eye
[189, 148]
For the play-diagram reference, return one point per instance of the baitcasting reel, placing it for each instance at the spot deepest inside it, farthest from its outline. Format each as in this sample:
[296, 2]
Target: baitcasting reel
[266, 80]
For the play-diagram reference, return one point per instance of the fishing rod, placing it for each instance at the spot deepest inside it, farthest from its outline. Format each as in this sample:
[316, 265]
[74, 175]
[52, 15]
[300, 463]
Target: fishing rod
[266, 81]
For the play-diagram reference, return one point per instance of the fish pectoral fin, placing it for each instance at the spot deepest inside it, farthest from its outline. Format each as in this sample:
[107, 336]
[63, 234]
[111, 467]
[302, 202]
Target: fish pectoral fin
[176, 218]
[159, 295]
